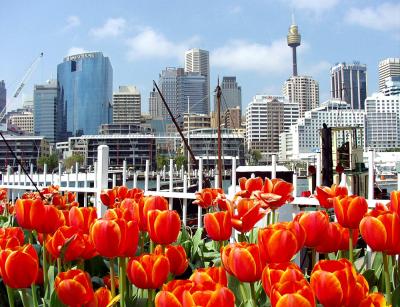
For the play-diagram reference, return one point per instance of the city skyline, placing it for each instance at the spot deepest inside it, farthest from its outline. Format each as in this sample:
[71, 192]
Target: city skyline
[244, 40]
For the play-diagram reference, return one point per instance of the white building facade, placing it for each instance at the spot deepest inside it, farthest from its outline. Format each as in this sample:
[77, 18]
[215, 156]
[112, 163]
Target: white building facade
[127, 105]
[389, 67]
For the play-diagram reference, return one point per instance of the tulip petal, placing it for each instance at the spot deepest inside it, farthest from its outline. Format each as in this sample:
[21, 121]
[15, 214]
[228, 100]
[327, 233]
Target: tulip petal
[293, 300]
[374, 233]
[327, 288]
[166, 299]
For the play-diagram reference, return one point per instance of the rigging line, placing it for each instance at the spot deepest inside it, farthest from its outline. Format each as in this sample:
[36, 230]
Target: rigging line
[20, 164]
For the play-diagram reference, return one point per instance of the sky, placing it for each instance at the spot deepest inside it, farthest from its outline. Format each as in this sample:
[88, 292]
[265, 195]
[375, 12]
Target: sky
[246, 39]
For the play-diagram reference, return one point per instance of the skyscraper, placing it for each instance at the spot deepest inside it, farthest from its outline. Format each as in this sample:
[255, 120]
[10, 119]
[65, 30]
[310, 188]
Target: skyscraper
[293, 41]
[3, 95]
[231, 95]
[156, 106]
[126, 105]
[349, 83]
[197, 60]
[168, 84]
[389, 67]
[47, 112]
[85, 92]
[192, 93]
[303, 90]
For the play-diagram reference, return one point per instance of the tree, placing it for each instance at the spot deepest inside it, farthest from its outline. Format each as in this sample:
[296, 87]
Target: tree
[51, 161]
[161, 161]
[255, 156]
[70, 161]
[180, 160]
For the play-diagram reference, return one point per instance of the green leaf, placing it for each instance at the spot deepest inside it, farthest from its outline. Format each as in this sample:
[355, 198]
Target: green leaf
[197, 240]
[396, 297]
[54, 301]
[371, 277]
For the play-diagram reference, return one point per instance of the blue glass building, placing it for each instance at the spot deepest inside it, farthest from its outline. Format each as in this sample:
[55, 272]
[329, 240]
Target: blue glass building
[85, 84]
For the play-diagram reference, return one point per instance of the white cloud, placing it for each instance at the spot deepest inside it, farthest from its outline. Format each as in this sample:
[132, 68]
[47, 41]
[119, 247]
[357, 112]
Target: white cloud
[317, 68]
[314, 6]
[72, 22]
[112, 27]
[384, 17]
[76, 50]
[235, 9]
[245, 56]
[148, 43]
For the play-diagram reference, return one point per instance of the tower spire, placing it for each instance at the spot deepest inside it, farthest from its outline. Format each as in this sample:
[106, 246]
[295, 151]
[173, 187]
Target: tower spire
[293, 41]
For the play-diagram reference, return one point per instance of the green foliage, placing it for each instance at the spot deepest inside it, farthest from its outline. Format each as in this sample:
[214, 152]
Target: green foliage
[255, 156]
[51, 161]
[161, 162]
[70, 161]
[180, 161]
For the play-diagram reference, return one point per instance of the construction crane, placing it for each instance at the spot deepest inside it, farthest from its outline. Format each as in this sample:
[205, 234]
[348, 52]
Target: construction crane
[28, 73]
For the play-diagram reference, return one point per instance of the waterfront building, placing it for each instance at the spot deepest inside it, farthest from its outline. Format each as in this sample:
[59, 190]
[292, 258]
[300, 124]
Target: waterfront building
[231, 97]
[108, 129]
[349, 83]
[193, 121]
[198, 61]
[392, 86]
[304, 91]
[232, 118]
[22, 120]
[127, 105]
[389, 67]
[383, 121]
[85, 92]
[3, 95]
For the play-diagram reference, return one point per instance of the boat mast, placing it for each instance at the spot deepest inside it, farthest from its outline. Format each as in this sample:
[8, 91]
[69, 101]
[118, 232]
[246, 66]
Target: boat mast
[219, 92]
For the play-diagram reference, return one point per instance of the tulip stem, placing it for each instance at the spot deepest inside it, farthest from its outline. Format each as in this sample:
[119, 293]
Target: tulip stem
[273, 216]
[34, 295]
[150, 299]
[24, 297]
[313, 258]
[10, 294]
[387, 279]
[151, 246]
[112, 274]
[45, 266]
[59, 266]
[122, 280]
[351, 245]
[242, 292]
[253, 294]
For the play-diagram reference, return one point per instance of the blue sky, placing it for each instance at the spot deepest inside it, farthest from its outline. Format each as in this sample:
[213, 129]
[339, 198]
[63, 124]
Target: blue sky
[245, 38]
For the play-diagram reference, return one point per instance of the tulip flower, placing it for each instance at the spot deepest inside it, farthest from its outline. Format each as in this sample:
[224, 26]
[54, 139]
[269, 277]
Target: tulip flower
[275, 193]
[163, 226]
[108, 197]
[281, 241]
[336, 283]
[102, 297]
[315, 223]
[218, 225]
[248, 186]
[148, 271]
[350, 210]
[345, 237]
[280, 273]
[150, 203]
[325, 195]
[63, 201]
[74, 287]
[248, 214]
[373, 300]
[216, 275]
[19, 267]
[82, 217]
[207, 197]
[177, 258]
[243, 261]
[394, 204]
[292, 294]
[11, 237]
[107, 281]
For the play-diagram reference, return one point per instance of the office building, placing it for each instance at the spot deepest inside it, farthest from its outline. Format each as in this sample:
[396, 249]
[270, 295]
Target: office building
[127, 105]
[168, 84]
[231, 95]
[304, 91]
[389, 67]
[85, 92]
[22, 120]
[392, 86]
[156, 106]
[349, 83]
[48, 112]
[197, 60]
[193, 121]
[232, 118]
[192, 93]
[3, 95]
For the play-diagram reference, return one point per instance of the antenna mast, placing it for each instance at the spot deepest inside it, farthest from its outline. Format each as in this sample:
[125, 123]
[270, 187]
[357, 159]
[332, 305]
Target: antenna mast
[219, 92]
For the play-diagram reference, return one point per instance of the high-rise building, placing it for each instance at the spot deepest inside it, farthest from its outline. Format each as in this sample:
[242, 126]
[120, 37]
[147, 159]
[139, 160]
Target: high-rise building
[231, 95]
[156, 106]
[85, 92]
[168, 84]
[127, 105]
[232, 118]
[293, 41]
[192, 93]
[197, 60]
[304, 91]
[3, 95]
[47, 112]
[392, 86]
[389, 67]
[349, 83]
[22, 120]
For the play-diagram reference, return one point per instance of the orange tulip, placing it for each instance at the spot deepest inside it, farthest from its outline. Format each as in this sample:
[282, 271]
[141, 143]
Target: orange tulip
[216, 275]
[350, 210]
[394, 204]
[373, 300]
[275, 193]
[336, 283]
[108, 197]
[11, 237]
[207, 197]
[102, 297]
[381, 233]
[148, 271]
[218, 225]
[150, 203]
[19, 268]
[281, 241]
[345, 236]
[325, 195]
[248, 186]
[315, 224]
[82, 217]
[74, 287]
[292, 294]
[243, 261]
[176, 255]
[3, 193]
[63, 201]
[163, 226]
[331, 240]
[115, 238]
[248, 214]
[279, 273]
[70, 237]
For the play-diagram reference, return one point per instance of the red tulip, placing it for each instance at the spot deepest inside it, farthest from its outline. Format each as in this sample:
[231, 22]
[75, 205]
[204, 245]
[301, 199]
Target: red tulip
[281, 241]
[292, 294]
[74, 287]
[215, 274]
[248, 214]
[280, 273]
[108, 197]
[163, 226]
[394, 204]
[150, 203]
[350, 210]
[218, 225]
[3, 193]
[381, 233]
[115, 238]
[107, 281]
[102, 297]
[207, 197]
[19, 268]
[243, 261]
[336, 283]
[248, 186]
[11, 237]
[315, 223]
[275, 193]
[82, 217]
[148, 271]
[71, 238]
[63, 201]
[325, 195]
[345, 236]
[176, 255]
[373, 300]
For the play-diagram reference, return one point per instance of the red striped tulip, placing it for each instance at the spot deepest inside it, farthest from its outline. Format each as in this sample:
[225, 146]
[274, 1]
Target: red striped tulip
[216, 275]
[107, 281]
[373, 300]
[275, 193]
[163, 226]
[74, 287]
[19, 267]
[395, 202]
[82, 217]
[150, 203]
[350, 210]
[207, 197]
[281, 241]
[345, 236]
[248, 186]
[315, 224]
[102, 297]
[325, 195]
[280, 273]
[248, 214]
[218, 225]
[292, 294]
[148, 271]
[71, 238]
[176, 255]
[11, 237]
